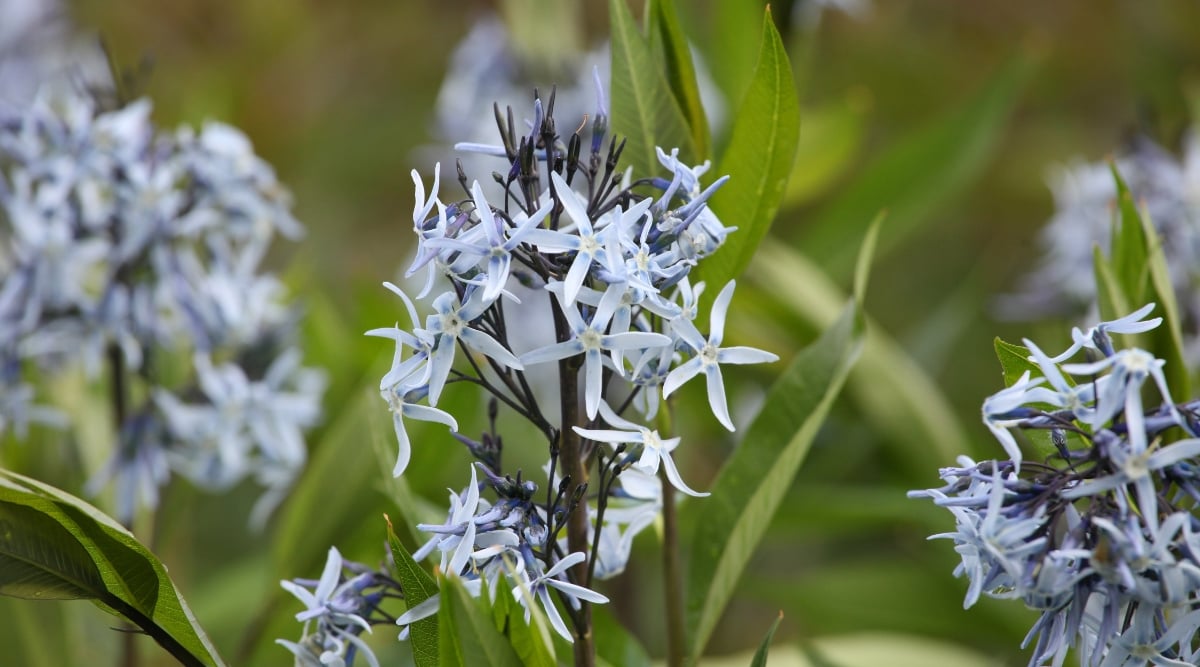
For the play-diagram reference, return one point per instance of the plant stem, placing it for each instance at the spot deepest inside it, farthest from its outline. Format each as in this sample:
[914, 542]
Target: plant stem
[120, 405]
[672, 575]
[578, 539]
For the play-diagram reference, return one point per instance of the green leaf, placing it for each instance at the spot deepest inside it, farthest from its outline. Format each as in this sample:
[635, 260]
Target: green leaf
[1128, 257]
[644, 109]
[467, 635]
[758, 161]
[760, 656]
[672, 46]
[1014, 361]
[918, 174]
[418, 587]
[1141, 266]
[1170, 335]
[1110, 294]
[733, 44]
[56, 546]
[862, 268]
[751, 484]
[531, 640]
[614, 643]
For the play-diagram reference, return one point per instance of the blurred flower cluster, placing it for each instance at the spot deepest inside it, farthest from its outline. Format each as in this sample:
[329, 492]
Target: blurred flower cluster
[607, 255]
[135, 255]
[1085, 197]
[1101, 537]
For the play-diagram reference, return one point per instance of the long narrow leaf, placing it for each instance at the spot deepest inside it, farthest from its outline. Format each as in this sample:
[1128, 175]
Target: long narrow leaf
[750, 486]
[418, 587]
[667, 33]
[760, 156]
[644, 109]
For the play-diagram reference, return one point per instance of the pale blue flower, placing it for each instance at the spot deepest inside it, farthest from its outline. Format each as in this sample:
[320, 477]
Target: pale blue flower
[1153, 640]
[402, 402]
[1134, 463]
[708, 355]
[1006, 408]
[1097, 338]
[537, 582]
[590, 340]
[339, 608]
[648, 447]
[450, 324]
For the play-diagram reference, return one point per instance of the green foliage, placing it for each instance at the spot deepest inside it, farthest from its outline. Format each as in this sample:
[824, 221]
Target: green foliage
[670, 46]
[467, 636]
[531, 640]
[752, 483]
[760, 157]
[918, 174]
[645, 110]
[760, 656]
[418, 586]
[54, 546]
[1134, 274]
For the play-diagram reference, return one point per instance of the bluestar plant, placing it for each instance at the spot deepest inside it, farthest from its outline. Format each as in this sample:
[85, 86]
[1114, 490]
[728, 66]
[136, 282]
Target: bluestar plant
[608, 252]
[125, 250]
[1101, 537]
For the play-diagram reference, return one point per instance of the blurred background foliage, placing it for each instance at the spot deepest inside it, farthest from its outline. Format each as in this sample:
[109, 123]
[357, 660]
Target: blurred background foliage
[946, 114]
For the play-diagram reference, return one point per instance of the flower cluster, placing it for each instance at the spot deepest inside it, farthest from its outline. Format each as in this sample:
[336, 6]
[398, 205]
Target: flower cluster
[1085, 196]
[1101, 538]
[344, 602]
[607, 255]
[611, 256]
[124, 250]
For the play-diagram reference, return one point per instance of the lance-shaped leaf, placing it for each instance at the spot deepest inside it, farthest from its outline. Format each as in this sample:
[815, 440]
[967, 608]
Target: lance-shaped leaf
[418, 587]
[54, 546]
[644, 109]
[669, 43]
[1140, 267]
[760, 656]
[758, 161]
[753, 482]
[466, 633]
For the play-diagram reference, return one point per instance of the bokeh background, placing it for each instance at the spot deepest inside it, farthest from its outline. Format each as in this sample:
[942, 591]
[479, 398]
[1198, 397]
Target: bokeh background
[947, 114]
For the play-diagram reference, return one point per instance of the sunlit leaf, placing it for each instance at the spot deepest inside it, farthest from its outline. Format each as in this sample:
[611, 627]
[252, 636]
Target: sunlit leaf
[830, 139]
[895, 394]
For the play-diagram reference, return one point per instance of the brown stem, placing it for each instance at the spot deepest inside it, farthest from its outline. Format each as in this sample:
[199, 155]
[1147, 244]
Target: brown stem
[120, 405]
[570, 452]
[672, 574]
